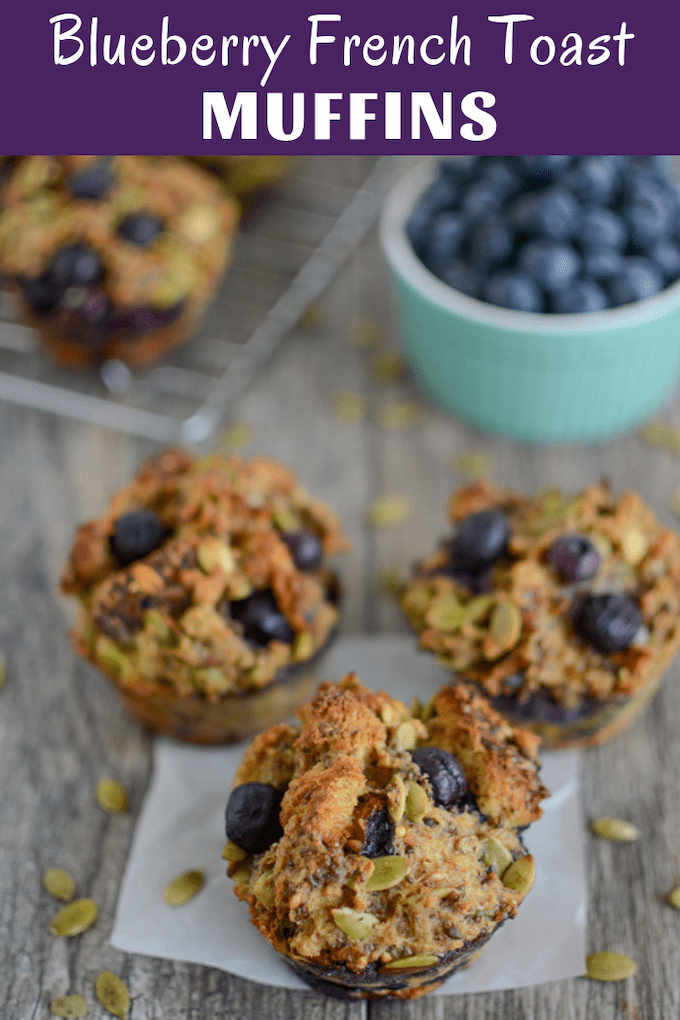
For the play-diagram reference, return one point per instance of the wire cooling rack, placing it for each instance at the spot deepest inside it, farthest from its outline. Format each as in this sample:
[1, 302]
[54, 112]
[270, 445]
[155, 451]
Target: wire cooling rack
[286, 254]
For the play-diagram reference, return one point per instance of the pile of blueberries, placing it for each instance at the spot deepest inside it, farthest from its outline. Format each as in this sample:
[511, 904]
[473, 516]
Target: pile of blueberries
[551, 233]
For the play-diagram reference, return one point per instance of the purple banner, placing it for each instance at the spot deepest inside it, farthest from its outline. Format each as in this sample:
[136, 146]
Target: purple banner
[323, 77]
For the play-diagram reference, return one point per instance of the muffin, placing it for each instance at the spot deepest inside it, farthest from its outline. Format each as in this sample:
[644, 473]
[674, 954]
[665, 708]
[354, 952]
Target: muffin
[243, 175]
[113, 256]
[205, 594]
[564, 610]
[379, 848]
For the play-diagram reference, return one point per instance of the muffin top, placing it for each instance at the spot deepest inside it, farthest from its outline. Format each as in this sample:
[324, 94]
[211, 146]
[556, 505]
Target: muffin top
[136, 231]
[370, 834]
[206, 575]
[576, 598]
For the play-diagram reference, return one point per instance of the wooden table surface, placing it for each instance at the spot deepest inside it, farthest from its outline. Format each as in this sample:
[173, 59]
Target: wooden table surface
[62, 728]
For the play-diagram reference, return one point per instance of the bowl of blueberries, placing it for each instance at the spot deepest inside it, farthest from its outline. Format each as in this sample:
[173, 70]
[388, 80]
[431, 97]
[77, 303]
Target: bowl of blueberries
[540, 295]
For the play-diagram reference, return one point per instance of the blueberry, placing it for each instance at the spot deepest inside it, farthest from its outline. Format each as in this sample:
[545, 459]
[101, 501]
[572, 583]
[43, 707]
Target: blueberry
[305, 548]
[603, 263]
[379, 834]
[544, 168]
[135, 535]
[512, 288]
[502, 177]
[581, 296]
[252, 817]
[481, 539]
[607, 622]
[602, 228]
[551, 212]
[665, 255]
[639, 279]
[491, 242]
[649, 214]
[41, 294]
[445, 773]
[595, 179]
[480, 199]
[551, 265]
[460, 276]
[141, 228]
[574, 558]
[261, 618]
[92, 181]
[75, 265]
[446, 234]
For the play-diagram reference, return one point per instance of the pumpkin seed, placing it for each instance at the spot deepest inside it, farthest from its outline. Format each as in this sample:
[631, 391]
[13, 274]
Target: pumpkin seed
[75, 918]
[472, 464]
[396, 799]
[390, 511]
[391, 580]
[387, 871]
[112, 796]
[184, 887]
[238, 434]
[606, 966]
[634, 545]
[213, 553]
[242, 875]
[365, 333]
[69, 1006]
[497, 856]
[405, 736]
[618, 830]
[505, 627]
[233, 853]
[349, 407]
[663, 436]
[446, 614]
[424, 960]
[303, 647]
[674, 897]
[3, 671]
[112, 994]
[477, 608]
[109, 655]
[520, 875]
[417, 801]
[59, 884]
[356, 924]
[387, 368]
[400, 414]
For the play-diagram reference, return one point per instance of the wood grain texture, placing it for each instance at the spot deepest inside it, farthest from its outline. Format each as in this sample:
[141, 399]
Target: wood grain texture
[62, 728]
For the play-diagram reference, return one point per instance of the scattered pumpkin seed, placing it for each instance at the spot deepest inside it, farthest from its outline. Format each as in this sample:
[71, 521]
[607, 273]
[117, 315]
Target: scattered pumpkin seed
[472, 464]
[674, 897]
[349, 407]
[356, 924]
[406, 736]
[184, 887]
[663, 436]
[396, 804]
[634, 545]
[365, 333]
[391, 580]
[3, 671]
[505, 626]
[70, 1007]
[520, 875]
[59, 884]
[112, 796]
[74, 918]
[387, 871]
[113, 994]
[496, 855]
[400, 414]
[233, 853]
[389, 511]
[445, 614]
[312, 318]
[417, 801]
[424, 960]
[388, 368]
[606, 966]
[303, 647]
[238, 434]
[214, 553]
[618, 830]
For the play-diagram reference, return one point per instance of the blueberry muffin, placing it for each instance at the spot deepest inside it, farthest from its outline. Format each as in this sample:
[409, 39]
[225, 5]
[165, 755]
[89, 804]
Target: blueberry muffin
[206, 594]
[564, 610]
[243, 175]
[378, 848]
[113, 256]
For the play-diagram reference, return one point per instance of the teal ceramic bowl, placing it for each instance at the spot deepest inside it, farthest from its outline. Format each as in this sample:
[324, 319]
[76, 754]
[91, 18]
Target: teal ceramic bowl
[536, 377]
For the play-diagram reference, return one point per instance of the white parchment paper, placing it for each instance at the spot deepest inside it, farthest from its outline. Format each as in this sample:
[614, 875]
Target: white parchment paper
[181, 827]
